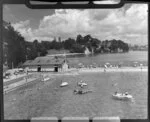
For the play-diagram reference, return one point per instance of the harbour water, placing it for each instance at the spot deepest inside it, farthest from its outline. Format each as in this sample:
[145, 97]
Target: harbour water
[100, 102]
[126, 59]
[51, 100]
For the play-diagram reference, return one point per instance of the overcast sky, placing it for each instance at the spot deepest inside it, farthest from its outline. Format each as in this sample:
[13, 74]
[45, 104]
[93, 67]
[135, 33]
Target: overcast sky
[128, 23]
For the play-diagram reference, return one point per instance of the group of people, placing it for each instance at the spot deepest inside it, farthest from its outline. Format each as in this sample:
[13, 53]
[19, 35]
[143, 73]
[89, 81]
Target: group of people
[126, 93]
[81, 84]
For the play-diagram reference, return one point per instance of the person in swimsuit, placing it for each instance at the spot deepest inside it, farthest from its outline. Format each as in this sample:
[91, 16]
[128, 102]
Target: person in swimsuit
[126, 93]
[116, 92]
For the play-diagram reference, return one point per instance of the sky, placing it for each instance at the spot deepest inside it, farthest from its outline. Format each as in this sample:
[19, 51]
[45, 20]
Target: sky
[129, 23]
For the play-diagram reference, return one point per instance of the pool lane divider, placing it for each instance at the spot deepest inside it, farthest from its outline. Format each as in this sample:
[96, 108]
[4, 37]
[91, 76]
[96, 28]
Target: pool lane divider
[14, 86]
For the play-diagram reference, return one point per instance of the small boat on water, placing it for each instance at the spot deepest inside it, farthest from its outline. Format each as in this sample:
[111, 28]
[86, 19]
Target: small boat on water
[45, 79]
[121, 96]
[81, 83]
[63, 84]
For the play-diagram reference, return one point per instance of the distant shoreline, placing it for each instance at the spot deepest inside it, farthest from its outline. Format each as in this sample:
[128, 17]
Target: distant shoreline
[75, 71]
[124, 69]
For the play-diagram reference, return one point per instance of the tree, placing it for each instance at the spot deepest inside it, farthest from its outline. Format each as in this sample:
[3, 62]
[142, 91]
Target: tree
[15, 45]
[68, 44]
[79, 39]
[77, 48]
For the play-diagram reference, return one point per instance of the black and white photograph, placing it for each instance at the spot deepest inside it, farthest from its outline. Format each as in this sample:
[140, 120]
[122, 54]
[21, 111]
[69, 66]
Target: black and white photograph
[75, 62]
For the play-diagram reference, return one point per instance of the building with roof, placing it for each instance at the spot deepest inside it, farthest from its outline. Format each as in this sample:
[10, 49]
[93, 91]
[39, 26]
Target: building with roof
[47, 63]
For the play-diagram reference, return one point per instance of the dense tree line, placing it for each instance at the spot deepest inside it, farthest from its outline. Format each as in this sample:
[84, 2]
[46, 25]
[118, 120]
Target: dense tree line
[17, 50]
[138, 47]
[13, 46]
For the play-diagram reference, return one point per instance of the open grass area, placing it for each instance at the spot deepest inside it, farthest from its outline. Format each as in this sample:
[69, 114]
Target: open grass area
[48, 99]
